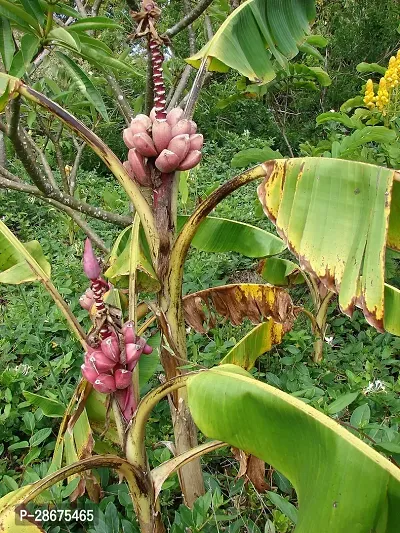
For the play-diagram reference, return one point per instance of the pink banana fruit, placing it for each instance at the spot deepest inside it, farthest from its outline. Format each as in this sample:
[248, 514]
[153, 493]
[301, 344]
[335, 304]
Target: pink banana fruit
[167, 161]
[139, 169]
[191, 160]
[127, 136]
[86, 301]
[193, 127]
[89, 373]
[180, 146]
[161, 133]
[174, 116]
[100, 362]
[110, 348]
[128, 331]
[147, 349]
[105, 383]
[126, 401]
[123, 378]
[153, 114]
[133, 353]
[181, 127]
[144, 144]
[196, 141]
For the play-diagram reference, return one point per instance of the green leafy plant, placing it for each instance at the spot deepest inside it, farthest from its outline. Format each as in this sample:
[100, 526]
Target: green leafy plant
[304, 198]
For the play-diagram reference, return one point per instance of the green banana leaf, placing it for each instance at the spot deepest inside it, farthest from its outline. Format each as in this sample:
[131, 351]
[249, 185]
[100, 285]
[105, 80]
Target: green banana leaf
[14, 268]
[281, 272]
[118, 270]
[258, 341]
[224, 235]
[341, 483]
[258, 38]
[337, 219]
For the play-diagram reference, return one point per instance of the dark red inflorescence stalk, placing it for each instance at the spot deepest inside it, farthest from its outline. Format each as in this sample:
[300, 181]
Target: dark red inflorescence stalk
[157, 59]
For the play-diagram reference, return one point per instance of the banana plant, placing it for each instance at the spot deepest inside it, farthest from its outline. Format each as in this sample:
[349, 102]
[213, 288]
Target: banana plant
[303, 199]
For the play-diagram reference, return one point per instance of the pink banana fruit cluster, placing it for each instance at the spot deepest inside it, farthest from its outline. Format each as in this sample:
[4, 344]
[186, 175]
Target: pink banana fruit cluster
[109, 366]
[168, 144]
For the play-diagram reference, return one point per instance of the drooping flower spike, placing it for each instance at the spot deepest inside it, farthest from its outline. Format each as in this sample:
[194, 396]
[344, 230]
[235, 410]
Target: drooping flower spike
[109, 367]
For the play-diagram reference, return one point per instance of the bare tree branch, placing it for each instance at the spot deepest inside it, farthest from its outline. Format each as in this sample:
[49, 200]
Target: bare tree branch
[93, 236]
[122, 102]
[189, 18]
[81, 8]
[191, 34]
[8, 175]
[96, 7]
[25, 138]
[62, 201]
[3, 153]
[209, 28]
[75, 166]
[23, 149]
[16, 185]
[180, 87]
[196, 88]
[176, 95]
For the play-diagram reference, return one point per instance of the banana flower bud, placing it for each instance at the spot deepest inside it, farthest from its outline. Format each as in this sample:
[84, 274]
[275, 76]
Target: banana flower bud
[91, 265]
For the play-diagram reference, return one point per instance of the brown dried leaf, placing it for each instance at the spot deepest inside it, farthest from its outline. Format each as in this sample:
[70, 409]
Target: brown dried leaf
[237, 302]
[252, 469]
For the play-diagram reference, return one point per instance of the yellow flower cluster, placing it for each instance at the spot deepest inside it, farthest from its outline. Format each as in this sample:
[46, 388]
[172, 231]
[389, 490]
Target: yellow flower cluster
[382, 98]
[389, 82]
[369, 97]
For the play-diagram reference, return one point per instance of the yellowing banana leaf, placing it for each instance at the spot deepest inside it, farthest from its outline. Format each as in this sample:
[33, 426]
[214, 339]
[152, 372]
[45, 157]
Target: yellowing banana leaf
[258, 341]
[280, 272]
[256, 35]
[237, 302]
[224, 235]
[97, 412]
[334, 216]
[14, 268]
[8, 89]
[10, 518]
[118, 270]
[342, 484]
